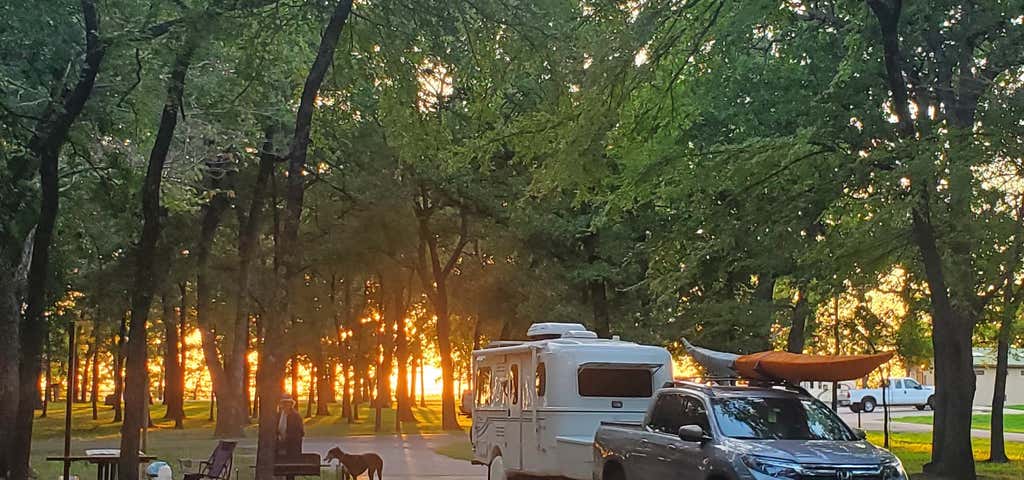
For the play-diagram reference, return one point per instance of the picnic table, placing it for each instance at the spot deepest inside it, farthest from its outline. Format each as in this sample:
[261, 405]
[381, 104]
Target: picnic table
[105, 461]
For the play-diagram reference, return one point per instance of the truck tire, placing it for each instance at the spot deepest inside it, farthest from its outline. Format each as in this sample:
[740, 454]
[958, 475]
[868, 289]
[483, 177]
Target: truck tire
[868, 404]
[931, 402]
[613, 471]
[496, 469]
[855, 407]
[920, 408]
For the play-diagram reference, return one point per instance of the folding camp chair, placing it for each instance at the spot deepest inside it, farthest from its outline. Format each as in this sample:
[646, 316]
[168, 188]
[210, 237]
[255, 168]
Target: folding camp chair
[218, 466]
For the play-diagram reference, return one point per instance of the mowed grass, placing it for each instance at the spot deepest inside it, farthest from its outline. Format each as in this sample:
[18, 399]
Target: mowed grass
[1011, 423]
[196, 440]
[914, 449]
[1015, 407]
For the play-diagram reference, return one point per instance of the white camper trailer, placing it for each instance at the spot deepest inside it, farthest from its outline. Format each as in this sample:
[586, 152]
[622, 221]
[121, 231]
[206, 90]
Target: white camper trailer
[538, 403]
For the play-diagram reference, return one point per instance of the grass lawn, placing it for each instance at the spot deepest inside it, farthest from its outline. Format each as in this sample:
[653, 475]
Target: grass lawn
[1015, 407]
[914, 449]
[459, 450]
[196, 439]
[1011, 423]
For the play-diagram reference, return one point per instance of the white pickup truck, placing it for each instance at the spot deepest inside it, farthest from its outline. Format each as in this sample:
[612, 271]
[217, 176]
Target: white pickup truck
[899, 391]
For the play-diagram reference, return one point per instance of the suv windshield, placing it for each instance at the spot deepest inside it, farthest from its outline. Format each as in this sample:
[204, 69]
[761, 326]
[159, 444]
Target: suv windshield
[778, 418]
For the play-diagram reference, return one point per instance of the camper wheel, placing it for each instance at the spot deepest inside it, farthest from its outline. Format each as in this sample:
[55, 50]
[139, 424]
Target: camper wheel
[496, 469]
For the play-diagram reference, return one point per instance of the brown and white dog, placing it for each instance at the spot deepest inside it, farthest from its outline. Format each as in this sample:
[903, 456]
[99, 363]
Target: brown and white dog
[355, 465]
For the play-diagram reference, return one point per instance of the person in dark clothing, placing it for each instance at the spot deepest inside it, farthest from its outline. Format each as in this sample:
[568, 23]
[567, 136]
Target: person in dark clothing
[289, 429]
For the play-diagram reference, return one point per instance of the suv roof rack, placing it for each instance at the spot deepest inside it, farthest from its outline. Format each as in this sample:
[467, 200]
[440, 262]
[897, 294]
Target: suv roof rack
[706, 383]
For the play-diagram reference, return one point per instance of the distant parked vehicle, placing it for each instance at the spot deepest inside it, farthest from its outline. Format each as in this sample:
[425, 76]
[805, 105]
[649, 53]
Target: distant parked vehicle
[898, 392]
[823, 391]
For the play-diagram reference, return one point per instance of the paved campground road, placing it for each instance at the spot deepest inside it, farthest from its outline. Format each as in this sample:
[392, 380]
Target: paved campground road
[873, 421]
[406, 457]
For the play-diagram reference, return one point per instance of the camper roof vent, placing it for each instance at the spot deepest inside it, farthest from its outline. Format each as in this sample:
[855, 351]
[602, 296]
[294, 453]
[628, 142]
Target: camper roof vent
[544, 331]
[579, 334]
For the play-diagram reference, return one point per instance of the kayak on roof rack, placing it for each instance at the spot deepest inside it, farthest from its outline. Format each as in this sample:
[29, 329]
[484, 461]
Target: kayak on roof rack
[791, 367]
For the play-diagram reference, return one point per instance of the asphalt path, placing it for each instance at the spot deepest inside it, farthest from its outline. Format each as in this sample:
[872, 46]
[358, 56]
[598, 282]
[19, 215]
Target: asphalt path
[873, 421]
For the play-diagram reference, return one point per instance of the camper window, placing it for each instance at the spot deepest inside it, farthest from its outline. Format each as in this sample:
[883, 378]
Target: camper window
[615, 382]
[542, 379]
[513, 382]
[483, 387]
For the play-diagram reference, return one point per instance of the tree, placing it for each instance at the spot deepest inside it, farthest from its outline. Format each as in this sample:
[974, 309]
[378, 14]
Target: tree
[268, 377]
[44, 147]
[136, 375]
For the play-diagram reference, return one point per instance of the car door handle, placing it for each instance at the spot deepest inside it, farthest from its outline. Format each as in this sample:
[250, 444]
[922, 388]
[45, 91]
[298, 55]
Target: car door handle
[672, 447]
[664, 459]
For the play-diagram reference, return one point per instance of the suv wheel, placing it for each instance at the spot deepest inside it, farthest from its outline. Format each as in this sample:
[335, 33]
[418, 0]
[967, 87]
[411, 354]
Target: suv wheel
[613, 471]
[868, 404]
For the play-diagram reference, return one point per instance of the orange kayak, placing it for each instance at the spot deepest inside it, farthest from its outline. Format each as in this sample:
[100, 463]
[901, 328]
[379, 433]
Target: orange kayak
[796, 367]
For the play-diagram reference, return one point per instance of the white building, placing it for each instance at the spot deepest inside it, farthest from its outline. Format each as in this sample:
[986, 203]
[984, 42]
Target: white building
[985, 373]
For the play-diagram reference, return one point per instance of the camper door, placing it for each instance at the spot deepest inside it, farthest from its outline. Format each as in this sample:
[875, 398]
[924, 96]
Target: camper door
[514, 428]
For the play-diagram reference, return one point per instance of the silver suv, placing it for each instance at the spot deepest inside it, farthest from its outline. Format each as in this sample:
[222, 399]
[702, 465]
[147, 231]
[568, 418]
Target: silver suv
[695, 431]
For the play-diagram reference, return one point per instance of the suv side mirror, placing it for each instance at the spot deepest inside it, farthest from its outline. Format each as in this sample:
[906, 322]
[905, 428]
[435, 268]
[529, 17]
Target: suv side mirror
[692, 433]
[860, 434]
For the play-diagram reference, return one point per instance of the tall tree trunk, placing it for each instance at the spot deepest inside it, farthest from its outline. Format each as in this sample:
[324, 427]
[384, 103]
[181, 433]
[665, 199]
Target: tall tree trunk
[11, 283]
[423, 383]
[136, 374]
[45, 146]
[412, 382]
[183, 335]
[390, 318]
[227, 376]
[248, 241]
[404, 413]
[331, 378]
[434, 277]
[48, 395]
[952, 455]
[998, 449]
[323, 379]
[293, 373]
[118, 357]
[953, 315]
[344, 346]
[798, 322]
[94, 393]
[290, 248]
[346, 391]
[311, 393]
[83, 376]
[174, 386]
[597, 290]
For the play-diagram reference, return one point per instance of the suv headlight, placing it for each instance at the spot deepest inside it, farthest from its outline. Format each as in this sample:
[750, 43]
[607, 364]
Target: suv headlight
[772, 467]
[893, 470]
